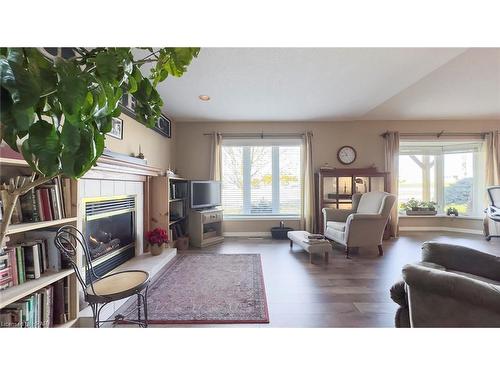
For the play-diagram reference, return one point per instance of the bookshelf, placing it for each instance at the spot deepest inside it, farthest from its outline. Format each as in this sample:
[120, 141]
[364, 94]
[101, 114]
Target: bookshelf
[25, 227]
[17, 234]
[17, 292]
[170, 207]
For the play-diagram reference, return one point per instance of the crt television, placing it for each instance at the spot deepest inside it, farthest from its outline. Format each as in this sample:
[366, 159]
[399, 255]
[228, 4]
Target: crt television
[205, 194]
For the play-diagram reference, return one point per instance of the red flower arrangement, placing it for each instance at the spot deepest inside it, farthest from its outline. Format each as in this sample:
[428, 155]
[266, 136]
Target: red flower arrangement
[157, 236]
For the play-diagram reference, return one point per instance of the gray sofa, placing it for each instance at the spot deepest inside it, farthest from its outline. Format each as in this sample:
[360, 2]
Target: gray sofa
[453, 286]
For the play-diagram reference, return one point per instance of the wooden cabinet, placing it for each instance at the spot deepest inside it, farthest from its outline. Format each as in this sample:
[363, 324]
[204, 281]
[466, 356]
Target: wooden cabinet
[334, 187]
[206, 227]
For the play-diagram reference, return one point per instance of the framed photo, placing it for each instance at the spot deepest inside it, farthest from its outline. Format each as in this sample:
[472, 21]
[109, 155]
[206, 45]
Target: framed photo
[116, 128]
[164, 126]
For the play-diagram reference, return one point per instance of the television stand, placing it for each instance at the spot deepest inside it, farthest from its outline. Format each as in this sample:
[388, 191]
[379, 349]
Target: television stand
[205, 227]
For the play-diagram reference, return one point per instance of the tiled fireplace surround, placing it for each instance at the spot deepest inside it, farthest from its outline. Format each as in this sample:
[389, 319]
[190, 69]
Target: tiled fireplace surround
[109, 179]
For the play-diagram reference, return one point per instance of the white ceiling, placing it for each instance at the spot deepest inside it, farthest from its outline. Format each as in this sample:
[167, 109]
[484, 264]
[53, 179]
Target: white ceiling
[327, 84]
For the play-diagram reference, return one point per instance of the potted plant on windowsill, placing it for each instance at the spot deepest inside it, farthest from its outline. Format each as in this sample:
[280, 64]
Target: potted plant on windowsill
[416, 207]
[157, 239]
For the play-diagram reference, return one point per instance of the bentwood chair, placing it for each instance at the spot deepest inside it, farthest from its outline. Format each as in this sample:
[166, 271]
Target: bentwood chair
[101, 290]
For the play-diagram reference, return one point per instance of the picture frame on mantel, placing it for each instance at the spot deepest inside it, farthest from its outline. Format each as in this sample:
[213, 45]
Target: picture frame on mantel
[116, 128]
[162, 126]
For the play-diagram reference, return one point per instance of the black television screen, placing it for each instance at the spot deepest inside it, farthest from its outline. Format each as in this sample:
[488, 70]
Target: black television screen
[205, 194]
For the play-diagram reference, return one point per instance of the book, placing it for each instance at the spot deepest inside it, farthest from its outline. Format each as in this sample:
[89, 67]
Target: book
[45, 204]
[29, 207]
[11, 251]
[6, 278]
[66, 193]
[60, 198]
[58, 304]
[4, 260]
[21, 272]
[54, 203]
[31, 260]
[54, 261]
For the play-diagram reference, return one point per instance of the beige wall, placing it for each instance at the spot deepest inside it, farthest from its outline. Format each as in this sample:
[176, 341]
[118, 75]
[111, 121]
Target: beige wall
[157, 149]
[193, 148]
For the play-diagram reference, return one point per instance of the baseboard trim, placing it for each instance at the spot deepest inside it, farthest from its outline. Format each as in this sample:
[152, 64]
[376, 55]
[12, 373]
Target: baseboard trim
[439, 229]
[247, 234]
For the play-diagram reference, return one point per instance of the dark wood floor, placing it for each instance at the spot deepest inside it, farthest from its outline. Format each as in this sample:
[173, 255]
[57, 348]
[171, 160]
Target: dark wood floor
[346, 292]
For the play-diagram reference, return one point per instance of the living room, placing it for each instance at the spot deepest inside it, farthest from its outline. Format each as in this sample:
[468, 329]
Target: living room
[347, 185]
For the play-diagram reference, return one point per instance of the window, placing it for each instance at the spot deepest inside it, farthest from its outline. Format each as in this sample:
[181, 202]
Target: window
[261, 177]
[451, 174]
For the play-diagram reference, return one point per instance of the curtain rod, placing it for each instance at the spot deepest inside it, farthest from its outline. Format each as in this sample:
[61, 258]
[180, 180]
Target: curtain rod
[442, 133]
[258, 135]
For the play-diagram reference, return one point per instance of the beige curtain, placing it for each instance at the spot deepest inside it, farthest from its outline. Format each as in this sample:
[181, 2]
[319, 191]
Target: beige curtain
[392, 166]
[492, 158]
[308, 221]
[216, 157]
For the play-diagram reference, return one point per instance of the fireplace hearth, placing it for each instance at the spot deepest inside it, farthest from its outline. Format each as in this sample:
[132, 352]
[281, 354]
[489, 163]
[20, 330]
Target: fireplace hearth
[109, 228]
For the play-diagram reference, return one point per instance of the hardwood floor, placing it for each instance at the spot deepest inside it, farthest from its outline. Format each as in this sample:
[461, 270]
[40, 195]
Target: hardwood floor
[346, 292]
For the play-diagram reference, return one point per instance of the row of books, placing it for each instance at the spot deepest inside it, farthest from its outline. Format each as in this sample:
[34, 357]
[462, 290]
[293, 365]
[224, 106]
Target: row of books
[30, 260]
[50, 201]
[43, 309]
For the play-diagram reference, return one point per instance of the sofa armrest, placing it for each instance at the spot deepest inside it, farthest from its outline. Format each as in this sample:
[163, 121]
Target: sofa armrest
[463, 259]
[332, 214]
[458, 287]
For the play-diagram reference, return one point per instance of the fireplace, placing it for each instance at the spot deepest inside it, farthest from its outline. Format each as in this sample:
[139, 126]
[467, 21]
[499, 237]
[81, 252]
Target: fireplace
[109, 228]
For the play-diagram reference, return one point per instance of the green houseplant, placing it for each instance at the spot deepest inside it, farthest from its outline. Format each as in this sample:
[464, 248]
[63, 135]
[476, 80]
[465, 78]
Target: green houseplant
[56, 112]
[417, 207]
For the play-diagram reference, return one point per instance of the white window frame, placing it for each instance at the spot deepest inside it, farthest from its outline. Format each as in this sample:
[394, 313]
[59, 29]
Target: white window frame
[438, 150]
[275, 143]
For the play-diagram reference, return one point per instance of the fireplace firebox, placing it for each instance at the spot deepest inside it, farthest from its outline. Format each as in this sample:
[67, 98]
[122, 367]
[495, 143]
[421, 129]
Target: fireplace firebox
[109, 228]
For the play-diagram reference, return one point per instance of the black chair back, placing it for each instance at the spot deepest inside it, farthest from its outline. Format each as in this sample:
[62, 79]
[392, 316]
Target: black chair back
[67, 240]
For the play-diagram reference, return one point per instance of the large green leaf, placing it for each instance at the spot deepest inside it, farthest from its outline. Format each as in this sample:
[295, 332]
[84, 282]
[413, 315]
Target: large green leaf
[79, 150]
[71, 88]
[43, 69]
[22, 85]
[107, 66]
[45, 146]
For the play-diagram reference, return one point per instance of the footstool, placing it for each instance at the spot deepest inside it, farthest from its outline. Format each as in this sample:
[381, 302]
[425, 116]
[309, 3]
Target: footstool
[299, 238]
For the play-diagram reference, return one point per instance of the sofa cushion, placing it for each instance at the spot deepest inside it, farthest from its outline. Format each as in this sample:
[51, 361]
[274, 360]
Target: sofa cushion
[475, 277]
[336, 225]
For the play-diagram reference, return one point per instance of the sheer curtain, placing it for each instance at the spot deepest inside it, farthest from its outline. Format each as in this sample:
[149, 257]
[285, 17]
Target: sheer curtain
[492, 158]
[308, 189]
[216, 157]
[392, 166]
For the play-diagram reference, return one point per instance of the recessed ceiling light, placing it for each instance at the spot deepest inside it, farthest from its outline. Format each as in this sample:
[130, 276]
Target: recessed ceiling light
[205, 98]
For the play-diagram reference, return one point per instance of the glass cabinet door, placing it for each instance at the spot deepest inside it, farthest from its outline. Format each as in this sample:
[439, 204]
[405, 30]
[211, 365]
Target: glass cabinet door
[329, 188]
[361, 184]
[377, 184]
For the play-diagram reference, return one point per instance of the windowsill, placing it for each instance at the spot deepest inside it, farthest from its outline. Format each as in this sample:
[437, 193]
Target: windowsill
[443, 215]
[257, 218]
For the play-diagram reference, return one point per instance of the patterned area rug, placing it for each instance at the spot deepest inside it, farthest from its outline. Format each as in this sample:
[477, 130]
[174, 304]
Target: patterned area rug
[209, 288]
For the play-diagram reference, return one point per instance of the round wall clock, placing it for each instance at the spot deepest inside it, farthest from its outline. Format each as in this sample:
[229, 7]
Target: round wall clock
[346, 155]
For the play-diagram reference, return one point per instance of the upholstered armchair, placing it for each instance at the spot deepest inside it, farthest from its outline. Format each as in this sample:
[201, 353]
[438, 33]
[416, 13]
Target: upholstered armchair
[453, 286]
[363, 225]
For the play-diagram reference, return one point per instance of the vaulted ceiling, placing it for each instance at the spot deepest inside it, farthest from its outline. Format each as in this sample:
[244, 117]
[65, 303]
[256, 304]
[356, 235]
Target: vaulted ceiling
[330, 84]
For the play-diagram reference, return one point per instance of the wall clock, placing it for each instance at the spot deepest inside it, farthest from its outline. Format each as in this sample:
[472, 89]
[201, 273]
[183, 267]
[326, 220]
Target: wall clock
[346, 155]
